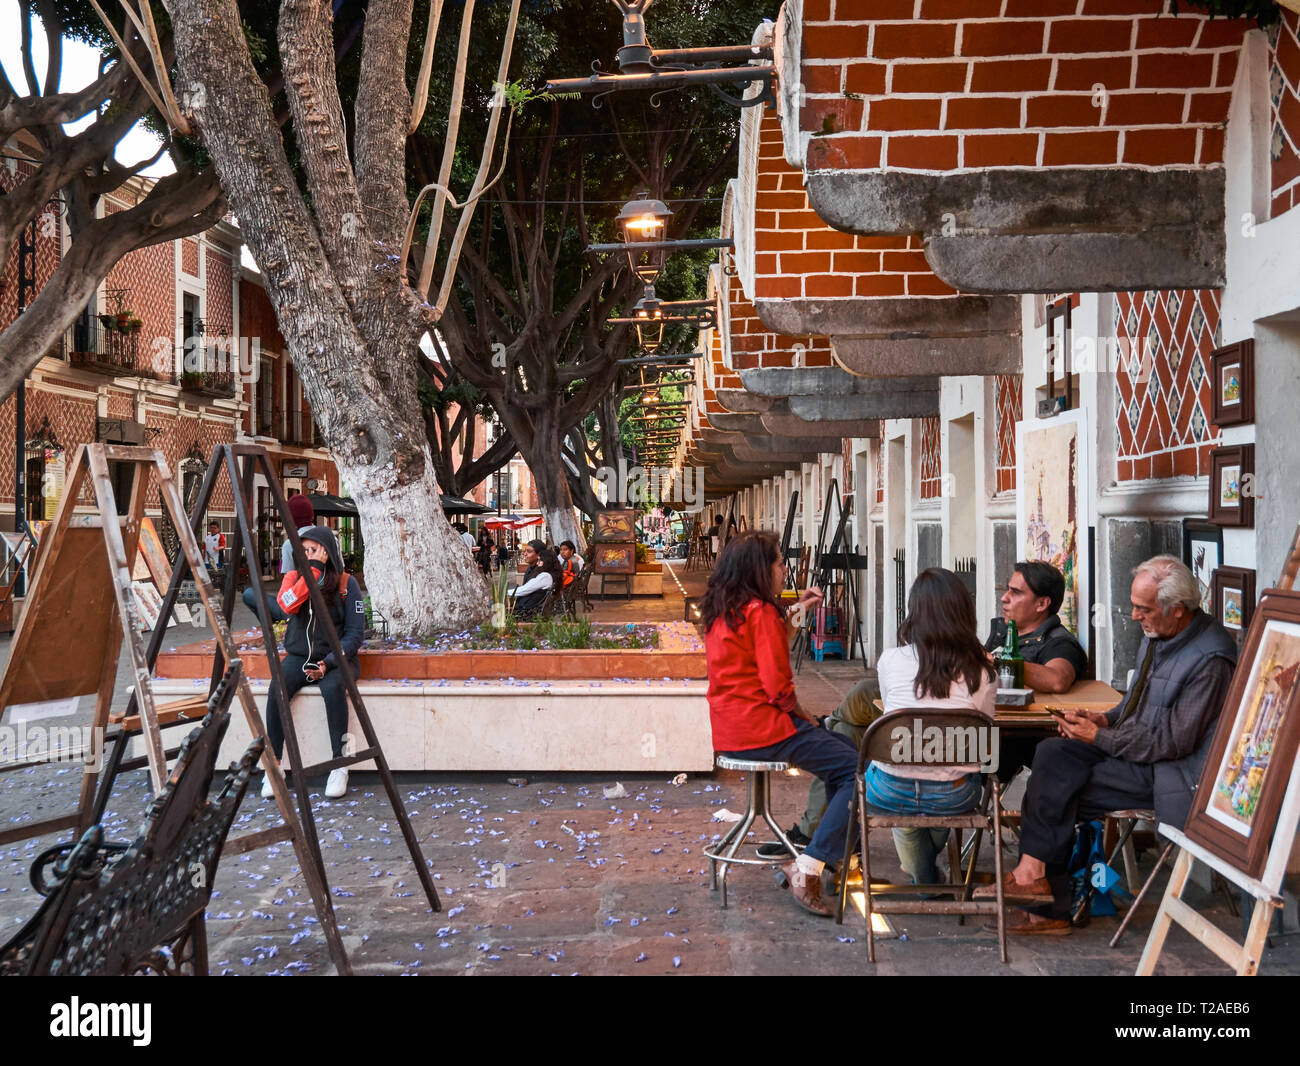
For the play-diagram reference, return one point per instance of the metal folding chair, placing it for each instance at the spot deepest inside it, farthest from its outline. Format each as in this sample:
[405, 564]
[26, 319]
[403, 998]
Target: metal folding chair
[881, 744]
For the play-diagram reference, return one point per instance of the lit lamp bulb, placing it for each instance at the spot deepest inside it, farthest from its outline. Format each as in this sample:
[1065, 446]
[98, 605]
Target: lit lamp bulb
[644, 221]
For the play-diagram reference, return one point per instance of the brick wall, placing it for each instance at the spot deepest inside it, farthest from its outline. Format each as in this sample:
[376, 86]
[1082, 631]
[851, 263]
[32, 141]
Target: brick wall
[940, 85]
[752, 344]
[190, 257]
[1284, 98]
[1162, 423]
[796, 254]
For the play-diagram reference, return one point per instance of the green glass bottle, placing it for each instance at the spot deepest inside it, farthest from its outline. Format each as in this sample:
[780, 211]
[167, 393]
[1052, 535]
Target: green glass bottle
[1011, 661]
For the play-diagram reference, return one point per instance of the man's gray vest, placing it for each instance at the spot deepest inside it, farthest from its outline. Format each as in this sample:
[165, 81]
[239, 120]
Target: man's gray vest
[1175, 662]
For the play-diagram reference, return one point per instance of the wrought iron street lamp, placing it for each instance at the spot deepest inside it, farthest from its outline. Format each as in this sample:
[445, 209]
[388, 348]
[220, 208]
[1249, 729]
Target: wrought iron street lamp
[661, 69]
[648, 315]
[643, 222]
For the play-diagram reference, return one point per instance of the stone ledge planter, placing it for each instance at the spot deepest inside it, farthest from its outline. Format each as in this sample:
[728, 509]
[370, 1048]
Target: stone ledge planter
[195, 660]
[605, 726]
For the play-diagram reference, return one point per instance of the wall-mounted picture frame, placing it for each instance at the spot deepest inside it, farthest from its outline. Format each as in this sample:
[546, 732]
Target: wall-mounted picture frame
[1232, 384]
[1235, 806]
[1232, 486]
[1232, 596]
[1202, 553]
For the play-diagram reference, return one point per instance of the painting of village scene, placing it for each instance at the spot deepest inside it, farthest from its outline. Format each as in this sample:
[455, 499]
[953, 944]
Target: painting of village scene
[1230, 486]
[1230, 385]
[1051, 517]
[1269, 691]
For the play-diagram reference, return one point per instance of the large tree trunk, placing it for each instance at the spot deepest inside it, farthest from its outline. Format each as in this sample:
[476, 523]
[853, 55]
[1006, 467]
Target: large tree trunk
[546, 461]
[350, 321]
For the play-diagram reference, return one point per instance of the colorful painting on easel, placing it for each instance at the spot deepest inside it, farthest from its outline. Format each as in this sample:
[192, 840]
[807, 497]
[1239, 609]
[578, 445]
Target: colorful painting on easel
[1051, 509]
[1246, 761]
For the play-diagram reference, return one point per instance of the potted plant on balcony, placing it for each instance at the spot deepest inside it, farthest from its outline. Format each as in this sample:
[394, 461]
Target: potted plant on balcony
[109, 322]
[135, 325]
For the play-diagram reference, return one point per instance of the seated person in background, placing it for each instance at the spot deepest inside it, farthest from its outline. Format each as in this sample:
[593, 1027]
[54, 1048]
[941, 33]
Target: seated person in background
[541, 576]
[465, 535]
[939, 664]
[1146, 752]
[1054, 659]
[570, 561]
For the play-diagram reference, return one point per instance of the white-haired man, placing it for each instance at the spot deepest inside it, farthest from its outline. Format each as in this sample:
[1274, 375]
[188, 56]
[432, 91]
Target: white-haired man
[1145, 752]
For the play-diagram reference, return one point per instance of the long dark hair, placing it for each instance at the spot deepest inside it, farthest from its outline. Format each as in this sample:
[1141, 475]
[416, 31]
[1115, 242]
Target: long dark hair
[940, 622]
[742, 573]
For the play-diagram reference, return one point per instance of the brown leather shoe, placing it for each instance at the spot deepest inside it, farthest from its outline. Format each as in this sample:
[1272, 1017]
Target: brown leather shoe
[807, 890]
[1025, 923]
[1038, 891]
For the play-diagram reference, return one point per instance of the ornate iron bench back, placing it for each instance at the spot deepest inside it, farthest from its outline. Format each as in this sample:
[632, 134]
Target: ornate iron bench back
[141, 912]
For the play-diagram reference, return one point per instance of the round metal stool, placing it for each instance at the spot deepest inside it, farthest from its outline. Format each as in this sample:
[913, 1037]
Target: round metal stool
[723, 853]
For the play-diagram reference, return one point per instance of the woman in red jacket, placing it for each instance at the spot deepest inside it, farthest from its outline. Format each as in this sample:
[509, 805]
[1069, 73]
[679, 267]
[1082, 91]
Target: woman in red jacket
[752, 704]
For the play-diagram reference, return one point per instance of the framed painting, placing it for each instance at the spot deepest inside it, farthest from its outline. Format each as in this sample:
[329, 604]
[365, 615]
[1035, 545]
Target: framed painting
[1236, 804]
[1232, 384]
[1202, 553]
[1232, 486]
[1232, 597]
[1052, 501]
[616, 523]
[614, 558]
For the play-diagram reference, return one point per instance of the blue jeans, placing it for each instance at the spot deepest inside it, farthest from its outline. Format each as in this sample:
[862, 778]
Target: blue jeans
[918, 848]
[833, 758]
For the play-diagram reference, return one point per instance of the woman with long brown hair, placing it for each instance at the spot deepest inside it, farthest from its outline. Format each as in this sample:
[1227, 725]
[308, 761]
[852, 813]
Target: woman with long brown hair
[939, 664]
[752, 704]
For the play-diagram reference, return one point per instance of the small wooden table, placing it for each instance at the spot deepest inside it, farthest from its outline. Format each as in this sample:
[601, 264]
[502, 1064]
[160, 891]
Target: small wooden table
[1082, 696]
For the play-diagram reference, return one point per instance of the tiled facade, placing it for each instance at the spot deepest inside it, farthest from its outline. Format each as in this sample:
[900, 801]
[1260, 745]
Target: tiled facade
[1162, 402]
[78, 403]
[1284, 112]
[1008, 412]
[929, 434]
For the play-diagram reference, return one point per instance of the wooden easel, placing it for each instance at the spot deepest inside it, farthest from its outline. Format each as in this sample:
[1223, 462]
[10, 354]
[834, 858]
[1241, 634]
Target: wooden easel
[80, 596]
[242, 463]
[1243, 957]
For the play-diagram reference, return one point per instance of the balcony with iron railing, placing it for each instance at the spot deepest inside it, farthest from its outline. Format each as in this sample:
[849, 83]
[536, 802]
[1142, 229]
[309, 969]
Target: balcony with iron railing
[105, 349]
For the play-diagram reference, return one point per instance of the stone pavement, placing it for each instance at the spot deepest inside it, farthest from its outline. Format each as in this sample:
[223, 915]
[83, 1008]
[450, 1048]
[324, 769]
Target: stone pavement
[550, 877]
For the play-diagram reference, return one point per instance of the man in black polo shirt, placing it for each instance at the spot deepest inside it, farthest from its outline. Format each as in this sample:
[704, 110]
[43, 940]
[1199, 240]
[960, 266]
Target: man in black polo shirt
[1054, 659]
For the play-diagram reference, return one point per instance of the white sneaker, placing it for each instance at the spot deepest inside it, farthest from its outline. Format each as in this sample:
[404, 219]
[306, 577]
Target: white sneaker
[337, 784]
[266, 787]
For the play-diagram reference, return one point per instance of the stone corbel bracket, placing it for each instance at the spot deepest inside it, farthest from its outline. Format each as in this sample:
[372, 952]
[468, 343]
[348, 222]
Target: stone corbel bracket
[1005, 230]
[881, 338]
